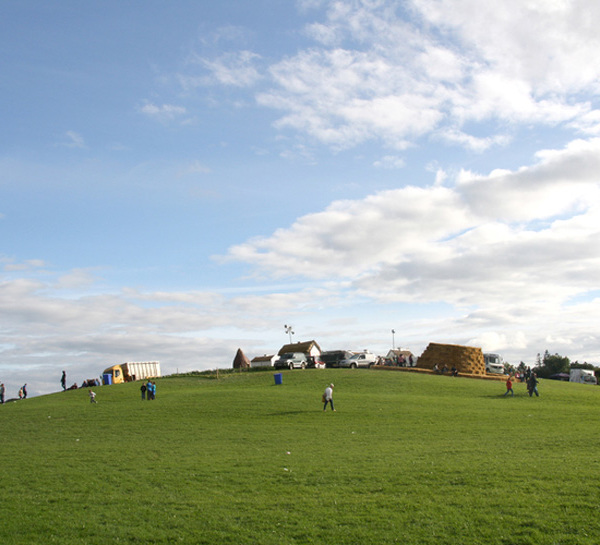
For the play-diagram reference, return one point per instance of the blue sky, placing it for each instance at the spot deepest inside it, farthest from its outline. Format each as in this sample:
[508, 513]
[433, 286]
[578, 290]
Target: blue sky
[179, 180]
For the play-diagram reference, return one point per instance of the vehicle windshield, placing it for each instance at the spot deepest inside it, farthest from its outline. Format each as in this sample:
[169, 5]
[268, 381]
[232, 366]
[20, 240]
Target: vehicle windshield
[286, 356]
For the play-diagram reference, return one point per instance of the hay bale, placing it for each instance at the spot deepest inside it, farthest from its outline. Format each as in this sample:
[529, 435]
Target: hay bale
[467, 359]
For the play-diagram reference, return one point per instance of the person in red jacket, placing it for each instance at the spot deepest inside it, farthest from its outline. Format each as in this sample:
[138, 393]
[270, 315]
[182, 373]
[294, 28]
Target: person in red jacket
[509, 387]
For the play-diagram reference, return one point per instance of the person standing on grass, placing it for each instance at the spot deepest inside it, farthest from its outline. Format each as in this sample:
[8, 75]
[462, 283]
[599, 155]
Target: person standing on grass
[143, 390]
[532, 383]
[328, 397]
[63, 380]
[2, 390]
[509, 387]
[24, 391]
[92, 397]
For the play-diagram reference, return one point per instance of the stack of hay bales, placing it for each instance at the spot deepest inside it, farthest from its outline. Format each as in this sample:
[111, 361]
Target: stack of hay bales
[466, 359]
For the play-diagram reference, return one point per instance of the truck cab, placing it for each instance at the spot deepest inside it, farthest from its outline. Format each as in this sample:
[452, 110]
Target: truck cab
[113, 375]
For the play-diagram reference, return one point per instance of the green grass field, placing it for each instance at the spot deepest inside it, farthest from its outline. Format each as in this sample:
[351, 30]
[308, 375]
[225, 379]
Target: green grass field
[406, 458]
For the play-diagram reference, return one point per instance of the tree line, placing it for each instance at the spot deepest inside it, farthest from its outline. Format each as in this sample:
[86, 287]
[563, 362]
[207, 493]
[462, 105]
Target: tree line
[553, 364]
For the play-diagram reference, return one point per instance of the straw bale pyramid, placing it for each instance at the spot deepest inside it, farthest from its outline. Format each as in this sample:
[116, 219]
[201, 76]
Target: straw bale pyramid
[466, 359]
[240, 361]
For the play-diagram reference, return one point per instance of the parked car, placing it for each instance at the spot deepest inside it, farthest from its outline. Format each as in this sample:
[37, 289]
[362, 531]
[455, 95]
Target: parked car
[332, 358]
[291, 360]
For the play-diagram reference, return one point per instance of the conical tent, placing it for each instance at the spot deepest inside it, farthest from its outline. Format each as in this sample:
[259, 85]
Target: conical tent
[240, 361]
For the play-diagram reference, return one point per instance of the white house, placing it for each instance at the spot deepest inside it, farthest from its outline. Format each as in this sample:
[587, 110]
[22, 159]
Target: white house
[263, 361]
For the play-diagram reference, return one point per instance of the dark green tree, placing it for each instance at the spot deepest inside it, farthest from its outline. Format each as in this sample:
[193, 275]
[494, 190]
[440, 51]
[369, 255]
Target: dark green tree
[552, 364]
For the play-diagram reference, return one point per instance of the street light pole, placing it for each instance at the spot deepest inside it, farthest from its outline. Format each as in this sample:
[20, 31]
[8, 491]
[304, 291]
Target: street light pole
[289, 330]
[393, 339]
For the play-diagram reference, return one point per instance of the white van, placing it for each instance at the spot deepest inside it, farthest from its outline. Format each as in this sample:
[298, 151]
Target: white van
[361, 359]
[494, 364]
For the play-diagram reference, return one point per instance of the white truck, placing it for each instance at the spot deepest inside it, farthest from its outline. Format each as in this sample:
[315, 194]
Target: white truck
[494, 364]
[583, 376]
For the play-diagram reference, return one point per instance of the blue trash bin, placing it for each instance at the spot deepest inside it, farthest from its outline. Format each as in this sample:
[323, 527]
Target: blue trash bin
[278, 378]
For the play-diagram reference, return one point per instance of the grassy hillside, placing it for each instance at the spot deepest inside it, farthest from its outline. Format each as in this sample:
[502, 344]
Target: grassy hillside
[406, 459]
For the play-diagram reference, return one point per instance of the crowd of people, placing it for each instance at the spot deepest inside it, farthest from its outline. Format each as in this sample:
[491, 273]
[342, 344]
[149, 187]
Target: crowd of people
[397, 361]
[148, 390]
[445, 371]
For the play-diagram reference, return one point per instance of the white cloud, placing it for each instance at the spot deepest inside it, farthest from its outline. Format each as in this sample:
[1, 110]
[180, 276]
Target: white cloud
[390, 162]
[73, 140]
[234, 69]
[196, 167]
[377, 75]
[30, 264]
[525, 236]
[76, 279]
[552, 46]
[350, 238]
[164, 112]
[564, 181]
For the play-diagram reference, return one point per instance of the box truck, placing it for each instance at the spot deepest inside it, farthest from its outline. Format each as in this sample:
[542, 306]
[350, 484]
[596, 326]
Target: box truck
[127, 372]
[584, 376]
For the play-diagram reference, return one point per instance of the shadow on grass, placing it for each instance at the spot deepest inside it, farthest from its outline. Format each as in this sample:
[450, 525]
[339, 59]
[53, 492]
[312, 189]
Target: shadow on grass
[288, 413]
[500, 396]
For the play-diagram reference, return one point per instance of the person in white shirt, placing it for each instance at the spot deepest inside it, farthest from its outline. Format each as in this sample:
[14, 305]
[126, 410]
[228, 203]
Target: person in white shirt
[328, 397]
[92, 397]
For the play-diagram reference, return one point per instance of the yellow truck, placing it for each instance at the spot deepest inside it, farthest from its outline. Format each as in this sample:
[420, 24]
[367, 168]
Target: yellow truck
[130, 371]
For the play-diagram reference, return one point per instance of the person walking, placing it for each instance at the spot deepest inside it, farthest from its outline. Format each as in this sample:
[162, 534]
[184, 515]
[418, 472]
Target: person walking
[24, 391]
[328, 397]
[532, 383]
[509, 387]
[2, 390]
[92, 396]
[63, 380]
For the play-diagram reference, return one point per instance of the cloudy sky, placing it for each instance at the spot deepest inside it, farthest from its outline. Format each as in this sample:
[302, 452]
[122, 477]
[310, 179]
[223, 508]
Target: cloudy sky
[182, 179]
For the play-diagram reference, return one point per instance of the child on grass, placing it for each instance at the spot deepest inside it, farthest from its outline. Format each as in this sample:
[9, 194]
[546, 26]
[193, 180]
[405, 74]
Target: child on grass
[509, 387]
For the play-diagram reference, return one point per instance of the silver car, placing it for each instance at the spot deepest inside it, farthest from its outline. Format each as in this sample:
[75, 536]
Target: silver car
[291, 360]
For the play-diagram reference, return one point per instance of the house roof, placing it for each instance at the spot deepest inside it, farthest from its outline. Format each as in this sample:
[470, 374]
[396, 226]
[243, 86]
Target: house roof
[304, 347]
[397, 352]
[263, 358]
